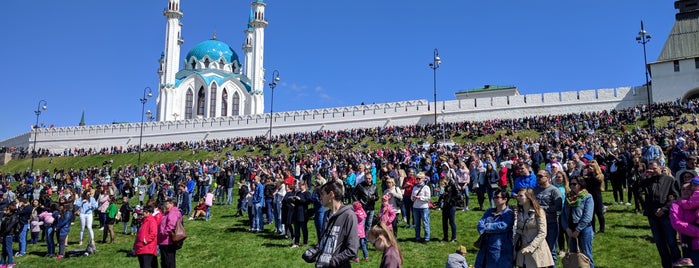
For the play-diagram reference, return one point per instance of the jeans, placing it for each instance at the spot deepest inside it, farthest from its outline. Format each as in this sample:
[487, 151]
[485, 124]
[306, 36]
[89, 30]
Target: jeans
[362, 244]
[50, 241]
[369, 220]
[23, 239]
[665, 238]
[467, 195]
[408, 203]
[584, 243]
[277, 213]
[191, 195]
[86, 222]
[422, 217]
[229, 199]
[102, 217]
[268, 204]
[448, 218]
[318, 221]
[257, 223]
[7, 250]
[552, 236]
[62, 244]
[208, 213]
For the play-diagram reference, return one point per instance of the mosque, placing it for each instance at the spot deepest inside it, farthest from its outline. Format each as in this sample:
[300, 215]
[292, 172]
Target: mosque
[214, 96]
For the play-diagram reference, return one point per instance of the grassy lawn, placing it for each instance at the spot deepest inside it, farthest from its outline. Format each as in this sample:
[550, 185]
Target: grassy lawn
[223, 241]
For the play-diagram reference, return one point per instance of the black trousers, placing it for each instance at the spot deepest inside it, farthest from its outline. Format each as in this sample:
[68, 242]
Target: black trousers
[167, 256]
[148, 261]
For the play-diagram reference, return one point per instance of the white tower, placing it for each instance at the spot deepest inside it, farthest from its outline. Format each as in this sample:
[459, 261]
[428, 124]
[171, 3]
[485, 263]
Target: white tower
[247, 48]
[169, 60]
[256, 73]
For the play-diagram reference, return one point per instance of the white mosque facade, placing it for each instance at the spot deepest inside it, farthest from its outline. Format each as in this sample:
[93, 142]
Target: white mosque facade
[214, 96]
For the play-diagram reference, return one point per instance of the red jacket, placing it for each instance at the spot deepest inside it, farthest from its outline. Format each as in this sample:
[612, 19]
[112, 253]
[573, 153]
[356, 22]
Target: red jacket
[148, 233]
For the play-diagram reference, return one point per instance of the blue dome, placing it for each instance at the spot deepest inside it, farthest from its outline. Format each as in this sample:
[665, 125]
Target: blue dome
[214, 49]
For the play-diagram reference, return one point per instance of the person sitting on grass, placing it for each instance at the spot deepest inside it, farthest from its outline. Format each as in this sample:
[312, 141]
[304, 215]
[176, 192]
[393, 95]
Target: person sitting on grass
[458, 259]
[199, 211]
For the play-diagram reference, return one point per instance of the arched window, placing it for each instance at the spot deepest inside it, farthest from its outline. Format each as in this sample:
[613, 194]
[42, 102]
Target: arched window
[224, 103]
[194, 64]
[212, 102]
[200, 101]
[235, 104]
[189, 102]
[206, 63]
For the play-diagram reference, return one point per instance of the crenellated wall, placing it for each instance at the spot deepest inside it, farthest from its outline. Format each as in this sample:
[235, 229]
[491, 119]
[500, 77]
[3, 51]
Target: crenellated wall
[338, 118]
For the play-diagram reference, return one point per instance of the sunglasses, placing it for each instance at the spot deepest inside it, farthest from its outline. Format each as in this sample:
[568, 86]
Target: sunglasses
[573, 184]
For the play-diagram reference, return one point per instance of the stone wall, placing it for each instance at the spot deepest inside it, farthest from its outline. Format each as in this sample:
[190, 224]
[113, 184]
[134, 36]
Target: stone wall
[339, 118]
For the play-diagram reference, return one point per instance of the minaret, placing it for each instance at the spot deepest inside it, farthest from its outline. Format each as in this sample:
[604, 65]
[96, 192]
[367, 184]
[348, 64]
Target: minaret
[169, 62]
[257, 70]
[247, 48]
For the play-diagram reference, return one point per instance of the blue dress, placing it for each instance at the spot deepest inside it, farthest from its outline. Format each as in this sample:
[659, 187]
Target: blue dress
[496, 247]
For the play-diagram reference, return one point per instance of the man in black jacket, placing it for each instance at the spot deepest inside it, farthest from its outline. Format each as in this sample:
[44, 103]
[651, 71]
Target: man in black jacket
[366, 194]
[659, 191]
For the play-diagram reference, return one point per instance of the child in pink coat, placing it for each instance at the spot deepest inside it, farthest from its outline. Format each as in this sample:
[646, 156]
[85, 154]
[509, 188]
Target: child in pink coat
[361, 217]
[387, 213]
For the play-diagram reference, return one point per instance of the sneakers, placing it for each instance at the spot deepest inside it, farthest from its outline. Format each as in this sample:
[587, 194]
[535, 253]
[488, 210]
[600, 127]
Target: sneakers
[627, 204]
[101, 228]
[190, 218]
[18, 254]
[685, 262]
[59, 257]
[355, 260]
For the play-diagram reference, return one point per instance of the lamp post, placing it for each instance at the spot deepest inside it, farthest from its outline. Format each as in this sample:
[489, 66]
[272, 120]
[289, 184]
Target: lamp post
[436, 61]
[272, 85]
[642, 39]
[38, 110]
[147, 94]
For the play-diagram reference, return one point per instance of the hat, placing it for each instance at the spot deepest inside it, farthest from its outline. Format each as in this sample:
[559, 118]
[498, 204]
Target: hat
[356, 205]
[461, 249]
[320, 181]
[695, 180]
[385, 198]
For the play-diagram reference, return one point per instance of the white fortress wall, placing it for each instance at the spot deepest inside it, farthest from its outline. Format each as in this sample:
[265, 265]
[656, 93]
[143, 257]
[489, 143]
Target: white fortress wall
[338, 118]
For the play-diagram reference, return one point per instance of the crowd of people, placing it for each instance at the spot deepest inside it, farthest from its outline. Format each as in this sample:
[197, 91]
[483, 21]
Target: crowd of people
[557, 180]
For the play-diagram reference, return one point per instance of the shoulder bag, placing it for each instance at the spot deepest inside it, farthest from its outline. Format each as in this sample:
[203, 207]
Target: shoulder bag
[178, 234]
[575, 259]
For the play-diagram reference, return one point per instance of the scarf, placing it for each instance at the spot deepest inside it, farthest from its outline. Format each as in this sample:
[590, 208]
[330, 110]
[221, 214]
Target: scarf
[574, 199]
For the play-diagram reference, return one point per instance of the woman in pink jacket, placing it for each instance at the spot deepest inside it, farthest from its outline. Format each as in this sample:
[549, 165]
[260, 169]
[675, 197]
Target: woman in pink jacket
[684, 223]
[168, 248]
[145, 246]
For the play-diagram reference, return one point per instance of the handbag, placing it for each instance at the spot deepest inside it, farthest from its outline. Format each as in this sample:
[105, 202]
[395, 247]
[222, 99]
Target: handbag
[575, 259]
[178, 234]
[479, 241]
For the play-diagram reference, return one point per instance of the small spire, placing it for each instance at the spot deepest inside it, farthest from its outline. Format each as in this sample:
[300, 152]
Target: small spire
[214, 38]
[82, 119]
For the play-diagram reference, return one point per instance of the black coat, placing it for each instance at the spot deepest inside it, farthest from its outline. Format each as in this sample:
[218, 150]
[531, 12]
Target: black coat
[366, 195]
[301, 206]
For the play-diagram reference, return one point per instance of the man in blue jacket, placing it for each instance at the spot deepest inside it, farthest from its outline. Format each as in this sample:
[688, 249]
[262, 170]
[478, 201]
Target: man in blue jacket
[258, 200]
[525, 179]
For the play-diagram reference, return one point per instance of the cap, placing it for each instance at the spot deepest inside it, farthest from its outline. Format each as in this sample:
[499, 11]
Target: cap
[695, 180]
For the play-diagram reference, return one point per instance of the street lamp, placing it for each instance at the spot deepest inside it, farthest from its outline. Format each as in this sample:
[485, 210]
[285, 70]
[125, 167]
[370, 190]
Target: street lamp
[272, 85]
[642, 39]
[38, 110]
[436, 61]
[147, 94]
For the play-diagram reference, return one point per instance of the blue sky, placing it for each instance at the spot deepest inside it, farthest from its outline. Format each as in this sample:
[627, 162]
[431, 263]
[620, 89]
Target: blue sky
[98, 56]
